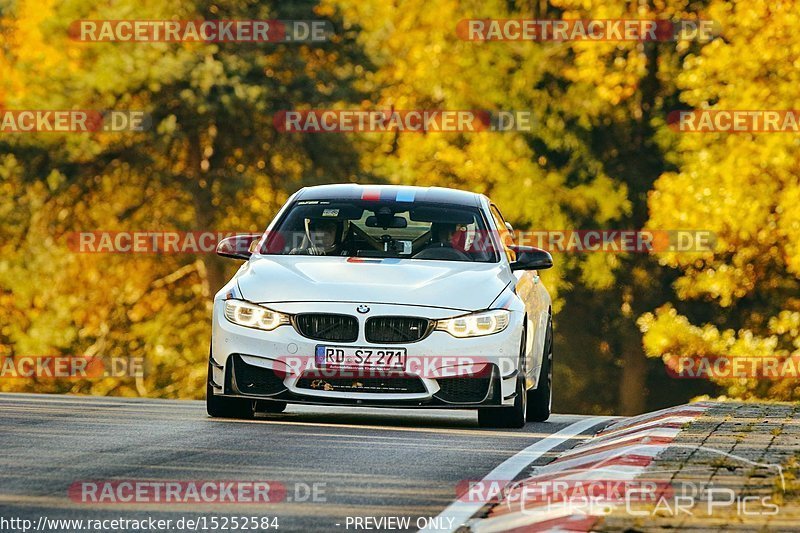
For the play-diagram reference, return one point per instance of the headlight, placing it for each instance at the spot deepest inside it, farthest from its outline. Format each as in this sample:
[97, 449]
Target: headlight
[476, 324]
[254, 316]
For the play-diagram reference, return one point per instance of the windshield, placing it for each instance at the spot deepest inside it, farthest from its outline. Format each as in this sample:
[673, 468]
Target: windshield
[358, 228]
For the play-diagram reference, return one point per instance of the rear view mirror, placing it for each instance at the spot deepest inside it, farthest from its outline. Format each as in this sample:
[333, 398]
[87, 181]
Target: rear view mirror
[530, 258]
[238, 246]
[394, 222]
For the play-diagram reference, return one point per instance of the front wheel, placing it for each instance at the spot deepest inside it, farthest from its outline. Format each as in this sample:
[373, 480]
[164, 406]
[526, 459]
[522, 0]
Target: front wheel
[506, 417]
[221, 407]
[540, 399]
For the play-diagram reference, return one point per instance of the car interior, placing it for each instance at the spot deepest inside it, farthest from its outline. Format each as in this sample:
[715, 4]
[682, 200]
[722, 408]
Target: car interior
[384, 230]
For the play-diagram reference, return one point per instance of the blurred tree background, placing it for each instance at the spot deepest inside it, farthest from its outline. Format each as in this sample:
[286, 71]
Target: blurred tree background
[600, 156]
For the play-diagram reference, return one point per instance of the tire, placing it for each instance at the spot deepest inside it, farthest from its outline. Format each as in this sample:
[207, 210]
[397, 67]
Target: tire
[540, 399]
[220, 407]
[506, 417]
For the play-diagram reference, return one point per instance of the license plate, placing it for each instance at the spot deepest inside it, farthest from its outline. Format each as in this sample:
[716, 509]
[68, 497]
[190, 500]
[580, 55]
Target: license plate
[360, 357]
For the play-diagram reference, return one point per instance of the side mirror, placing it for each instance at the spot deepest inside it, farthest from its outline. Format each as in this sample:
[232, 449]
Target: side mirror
[238, 246]
[530, 258]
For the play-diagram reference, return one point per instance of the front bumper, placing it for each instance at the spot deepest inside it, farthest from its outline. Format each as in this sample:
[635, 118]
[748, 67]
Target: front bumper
[453, 373]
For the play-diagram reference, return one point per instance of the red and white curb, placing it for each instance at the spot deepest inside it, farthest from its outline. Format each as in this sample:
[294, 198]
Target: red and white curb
[462, 510]
[620, 453]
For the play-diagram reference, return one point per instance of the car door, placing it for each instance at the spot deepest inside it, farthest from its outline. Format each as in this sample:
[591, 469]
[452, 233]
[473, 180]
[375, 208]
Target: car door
[534, 296]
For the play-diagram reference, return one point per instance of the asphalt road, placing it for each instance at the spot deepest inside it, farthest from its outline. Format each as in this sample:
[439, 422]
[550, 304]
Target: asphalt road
[365, 462]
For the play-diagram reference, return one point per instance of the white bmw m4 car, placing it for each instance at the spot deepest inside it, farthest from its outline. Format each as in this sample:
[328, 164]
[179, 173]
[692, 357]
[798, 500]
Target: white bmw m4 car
[384, 296]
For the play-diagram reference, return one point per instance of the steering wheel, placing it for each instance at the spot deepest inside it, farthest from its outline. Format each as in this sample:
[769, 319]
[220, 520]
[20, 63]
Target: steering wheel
[446, 253]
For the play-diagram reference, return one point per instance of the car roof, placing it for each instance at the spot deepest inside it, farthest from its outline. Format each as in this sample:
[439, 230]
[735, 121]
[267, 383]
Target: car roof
[354, 191]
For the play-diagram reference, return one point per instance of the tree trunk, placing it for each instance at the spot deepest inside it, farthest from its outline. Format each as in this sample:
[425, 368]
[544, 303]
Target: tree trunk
[632, 385]
[201, 189]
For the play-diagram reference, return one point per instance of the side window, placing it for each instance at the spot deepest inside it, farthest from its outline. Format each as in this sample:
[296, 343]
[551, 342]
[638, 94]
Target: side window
[506, 237]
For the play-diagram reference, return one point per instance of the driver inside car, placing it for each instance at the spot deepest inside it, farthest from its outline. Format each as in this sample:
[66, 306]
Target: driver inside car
[322, 237]
[448, 235]
[448, 241]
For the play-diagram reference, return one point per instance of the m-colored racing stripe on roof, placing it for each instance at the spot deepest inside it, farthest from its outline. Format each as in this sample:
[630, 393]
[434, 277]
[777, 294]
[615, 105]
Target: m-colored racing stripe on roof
[390, 193]
[405, 195]
[374, 194]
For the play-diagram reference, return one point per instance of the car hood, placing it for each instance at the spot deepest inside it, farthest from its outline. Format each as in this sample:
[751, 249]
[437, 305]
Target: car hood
[450, 284]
